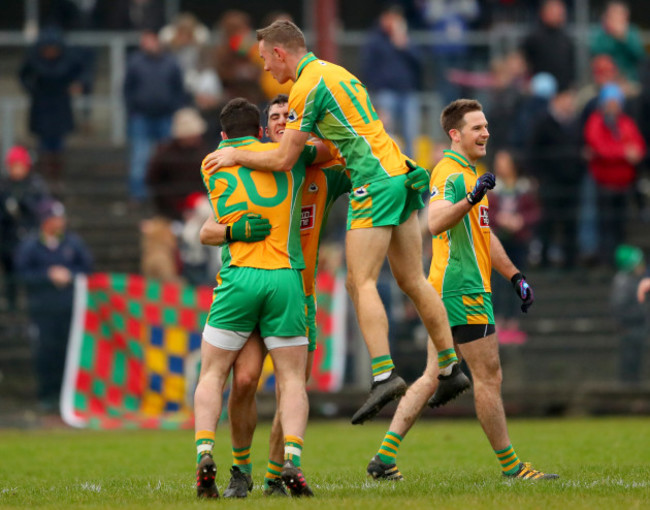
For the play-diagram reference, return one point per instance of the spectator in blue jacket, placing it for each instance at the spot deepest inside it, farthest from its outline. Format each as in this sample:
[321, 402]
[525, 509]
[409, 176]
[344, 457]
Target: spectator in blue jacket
[153, 91]
[47, 263]
[391, 69]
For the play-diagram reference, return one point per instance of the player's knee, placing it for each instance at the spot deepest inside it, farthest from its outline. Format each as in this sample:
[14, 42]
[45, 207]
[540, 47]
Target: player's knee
[244, 383]
[407, 283]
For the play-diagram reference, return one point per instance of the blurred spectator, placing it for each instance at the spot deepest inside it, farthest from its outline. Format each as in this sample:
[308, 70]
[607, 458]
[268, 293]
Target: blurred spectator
[514, 214]
[532, 105]
[391, 69]
[235, 57]
[614, 147]
[549, 49]
[158, 250]
[51, 74]
[450, 20]
[554, 152]
[187, 39]
[199, 263]
[47, 262]
[603, 71]
[631, 315]
[618, 39]
[21, 194]
[174, 169]
[506, 98]
[153, 91]
[130, 14]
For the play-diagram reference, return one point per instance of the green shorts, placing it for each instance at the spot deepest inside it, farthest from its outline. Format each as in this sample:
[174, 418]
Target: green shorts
[383, 203]
[247, 297]
[310, 305]
[469, 309]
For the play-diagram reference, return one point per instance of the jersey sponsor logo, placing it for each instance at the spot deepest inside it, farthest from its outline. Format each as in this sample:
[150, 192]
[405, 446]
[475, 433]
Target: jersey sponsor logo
[313, 187]
[292, 116]
[360, 192]
[307, 217]
[435, 191]
[483, 218]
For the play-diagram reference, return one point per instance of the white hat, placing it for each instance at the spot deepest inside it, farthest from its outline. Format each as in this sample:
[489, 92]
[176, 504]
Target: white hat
[187, 122]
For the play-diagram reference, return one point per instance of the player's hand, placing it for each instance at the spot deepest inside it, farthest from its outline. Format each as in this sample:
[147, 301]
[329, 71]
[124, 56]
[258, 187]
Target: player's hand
[218, 159]
[250, 228]
[484, 183]
[643, 289]
[417, 177]
[523, 290]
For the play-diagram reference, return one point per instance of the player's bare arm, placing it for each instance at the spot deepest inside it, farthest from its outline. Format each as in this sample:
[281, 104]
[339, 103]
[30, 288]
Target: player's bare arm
[280, 159]
[444, 214]
[212, 233]
[500, 260]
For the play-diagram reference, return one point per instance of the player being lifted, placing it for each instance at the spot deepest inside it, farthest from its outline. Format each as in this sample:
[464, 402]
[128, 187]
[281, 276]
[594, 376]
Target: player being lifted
[382, 218]
[324, 183]
[464, 253]
[259, 285]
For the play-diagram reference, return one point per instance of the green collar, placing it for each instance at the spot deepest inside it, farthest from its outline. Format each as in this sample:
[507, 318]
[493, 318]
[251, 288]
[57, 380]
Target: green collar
[309, 57]
[458, 158]
[237, 142]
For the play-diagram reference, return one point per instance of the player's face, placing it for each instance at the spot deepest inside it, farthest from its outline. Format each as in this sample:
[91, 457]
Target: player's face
[473, 136]
[278, 115]
[274, 62]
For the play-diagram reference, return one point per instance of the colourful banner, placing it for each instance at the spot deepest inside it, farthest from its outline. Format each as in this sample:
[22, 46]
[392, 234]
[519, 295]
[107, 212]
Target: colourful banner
[134, 351]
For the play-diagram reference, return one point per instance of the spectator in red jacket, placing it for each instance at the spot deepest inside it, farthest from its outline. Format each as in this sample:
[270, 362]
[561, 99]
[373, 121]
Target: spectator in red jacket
[614, 147]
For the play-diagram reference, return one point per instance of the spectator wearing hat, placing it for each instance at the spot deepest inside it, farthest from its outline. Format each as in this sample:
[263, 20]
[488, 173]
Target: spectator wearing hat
[554, 158]
[614, 147]
[174, 170]
[173, 176]
[21, 193]
[51, 73]
[46, 263]
[630, 314]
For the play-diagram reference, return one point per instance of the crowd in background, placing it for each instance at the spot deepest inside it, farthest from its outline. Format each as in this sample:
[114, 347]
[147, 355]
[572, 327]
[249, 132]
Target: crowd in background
[570, 157]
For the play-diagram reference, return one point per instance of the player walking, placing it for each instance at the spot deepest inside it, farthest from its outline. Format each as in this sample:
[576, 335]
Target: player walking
[464, 253]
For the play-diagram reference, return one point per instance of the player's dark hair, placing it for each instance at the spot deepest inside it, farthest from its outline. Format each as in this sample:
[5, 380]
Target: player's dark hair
[240, 118]
[284, 33]
[452, 117]
[279, 99]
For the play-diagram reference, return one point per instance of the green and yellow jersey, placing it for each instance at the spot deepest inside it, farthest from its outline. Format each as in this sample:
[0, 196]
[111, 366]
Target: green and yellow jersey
[460, 262]
[234, 191]
[324, 183]
[330, 102]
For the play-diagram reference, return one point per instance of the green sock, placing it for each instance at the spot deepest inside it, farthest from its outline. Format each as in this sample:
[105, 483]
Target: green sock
[389, 446]
[273, 471]
[508, 460]
[446, 360]
[293, 449]
[241, 458]
[382, 366]
[204, 440]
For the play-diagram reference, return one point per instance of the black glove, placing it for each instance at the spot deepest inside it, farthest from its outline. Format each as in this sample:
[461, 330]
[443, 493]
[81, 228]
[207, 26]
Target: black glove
[523, 290]
[417, 177]
[483, 184]
[250, 228]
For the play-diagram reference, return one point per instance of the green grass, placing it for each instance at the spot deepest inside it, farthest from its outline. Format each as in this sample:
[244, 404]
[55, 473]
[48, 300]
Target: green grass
[603, 463]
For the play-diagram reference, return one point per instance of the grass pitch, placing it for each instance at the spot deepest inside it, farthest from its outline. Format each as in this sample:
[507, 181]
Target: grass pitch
[603, 463]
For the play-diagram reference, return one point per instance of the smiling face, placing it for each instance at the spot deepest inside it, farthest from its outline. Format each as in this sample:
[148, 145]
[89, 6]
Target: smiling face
[278, 115]
[471, 139]
[275, 62]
